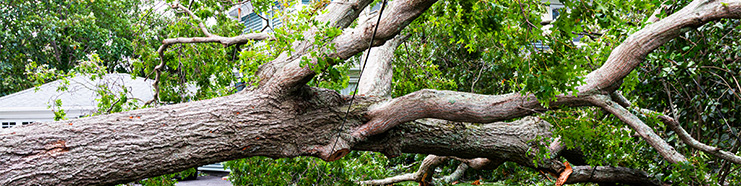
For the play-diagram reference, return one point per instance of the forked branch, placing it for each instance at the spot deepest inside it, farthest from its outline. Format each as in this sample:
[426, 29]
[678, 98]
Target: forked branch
[210, 38]
[683, 135]
[663, 148]
[692, 142]
[623, 59]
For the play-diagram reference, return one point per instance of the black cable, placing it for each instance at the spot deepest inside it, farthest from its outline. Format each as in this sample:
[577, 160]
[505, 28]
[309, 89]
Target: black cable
[362, 68]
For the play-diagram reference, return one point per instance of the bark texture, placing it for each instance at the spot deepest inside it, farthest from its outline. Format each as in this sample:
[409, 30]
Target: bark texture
[378, 72]
[124, 147]
[603, 174]
[116, 148]
[456, 106]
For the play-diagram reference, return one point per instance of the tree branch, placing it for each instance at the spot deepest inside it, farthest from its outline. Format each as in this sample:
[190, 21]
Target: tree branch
[210, 38]
[604, 174]
[339, 15]
[192, 16]
[455, 175]
[456, 106]
[286, 74]
[663, 148]
[692, 142]
[686, 137]
[245, 124]
[271, 122]
[601, 81]
[579, 174]
[655, 16]
[626, 57]
[423, 175]
[378, 71]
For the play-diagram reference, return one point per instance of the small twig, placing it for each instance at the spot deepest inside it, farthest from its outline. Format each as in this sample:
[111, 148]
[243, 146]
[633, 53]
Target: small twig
[655, 15]
[111, 108]
[671, 101]
[524, 15]
[483, 64]
[702, 89]
[194, 17]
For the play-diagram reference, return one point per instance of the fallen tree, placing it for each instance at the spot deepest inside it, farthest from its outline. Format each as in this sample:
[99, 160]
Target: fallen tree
[282, 117]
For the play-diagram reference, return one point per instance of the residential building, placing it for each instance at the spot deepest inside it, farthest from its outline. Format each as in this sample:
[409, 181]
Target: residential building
[79, 100]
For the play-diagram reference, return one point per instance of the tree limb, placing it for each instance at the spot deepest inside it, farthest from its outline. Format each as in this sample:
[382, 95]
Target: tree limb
[579, 174]
[248, 123]
[692, 142]
[378, 71]
[686, 137]
[456, 106]
[285, 75]
[455, 175]
[339, 15]
[604, 174]
[626, 56]
[604, 80]
[210, 38]
[283, 118]
[194, 17]
[663, 148]
[423, 175]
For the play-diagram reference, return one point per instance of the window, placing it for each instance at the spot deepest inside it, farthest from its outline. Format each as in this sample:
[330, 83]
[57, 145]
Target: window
[252, 22]
[8, 124]
[275, 22]
[26, 122]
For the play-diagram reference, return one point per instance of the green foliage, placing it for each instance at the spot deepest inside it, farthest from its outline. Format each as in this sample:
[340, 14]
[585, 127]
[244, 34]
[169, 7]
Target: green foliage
[319, 59]
[691, 79]
[307, 170]
[250, 59]
[58, 34]
[168, 179]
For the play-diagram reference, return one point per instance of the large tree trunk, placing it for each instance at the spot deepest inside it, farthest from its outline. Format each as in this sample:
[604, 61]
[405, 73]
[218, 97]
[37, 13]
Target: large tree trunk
[123, 147]
[284, 118]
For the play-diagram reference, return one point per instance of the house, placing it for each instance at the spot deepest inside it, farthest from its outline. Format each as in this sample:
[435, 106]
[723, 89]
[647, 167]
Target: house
[553, 10]
[258, 21]
[79, 100]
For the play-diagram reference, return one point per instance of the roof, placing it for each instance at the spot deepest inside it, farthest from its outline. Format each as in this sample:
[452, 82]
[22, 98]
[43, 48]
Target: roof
[80, 93]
